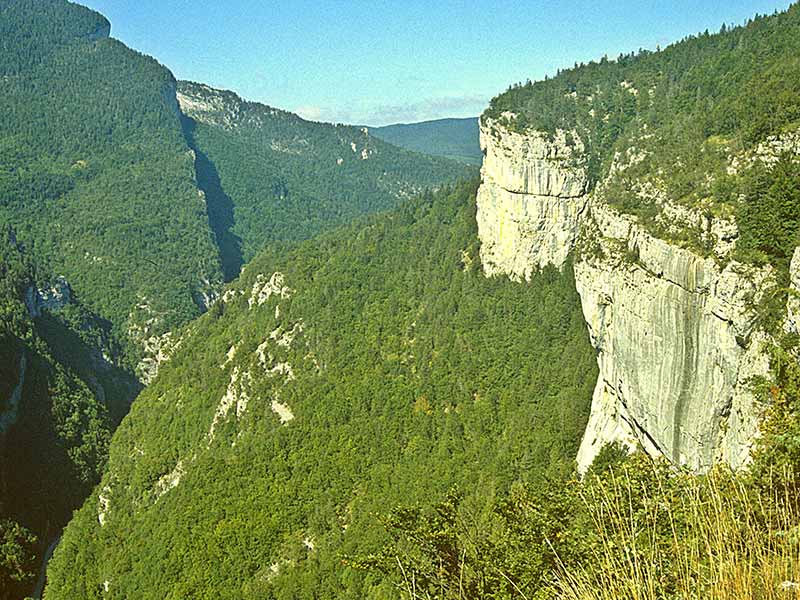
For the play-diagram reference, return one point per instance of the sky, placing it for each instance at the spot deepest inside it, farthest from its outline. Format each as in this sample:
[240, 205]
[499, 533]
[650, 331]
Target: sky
[378, 62]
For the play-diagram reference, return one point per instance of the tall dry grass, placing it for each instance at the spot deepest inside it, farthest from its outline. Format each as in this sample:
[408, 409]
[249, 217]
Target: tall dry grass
[687, 538]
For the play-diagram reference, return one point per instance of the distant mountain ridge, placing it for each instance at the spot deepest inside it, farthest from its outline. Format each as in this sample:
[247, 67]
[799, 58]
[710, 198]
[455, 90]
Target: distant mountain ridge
[270, 175]
[456, 139]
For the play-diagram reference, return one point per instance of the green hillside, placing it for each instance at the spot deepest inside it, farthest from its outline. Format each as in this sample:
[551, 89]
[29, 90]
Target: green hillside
[106, 209]
[457, 139]
[371, 366]
[271, 176]
[95, 175]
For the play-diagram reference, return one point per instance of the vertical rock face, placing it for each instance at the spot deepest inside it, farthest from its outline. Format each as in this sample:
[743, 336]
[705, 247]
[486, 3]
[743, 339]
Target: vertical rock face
[793, 308]
[677, 347]
[531, 199]
[674, 332]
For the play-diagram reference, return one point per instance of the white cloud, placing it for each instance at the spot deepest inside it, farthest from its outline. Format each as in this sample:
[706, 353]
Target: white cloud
[388, 114]
[310, 113]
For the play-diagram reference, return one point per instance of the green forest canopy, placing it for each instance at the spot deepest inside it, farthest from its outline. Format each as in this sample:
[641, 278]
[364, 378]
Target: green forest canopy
[410, 371]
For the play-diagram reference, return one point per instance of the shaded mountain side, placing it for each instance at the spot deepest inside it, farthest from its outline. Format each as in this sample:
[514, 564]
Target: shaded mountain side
[456, 139]
[221, 216]
[59, 400]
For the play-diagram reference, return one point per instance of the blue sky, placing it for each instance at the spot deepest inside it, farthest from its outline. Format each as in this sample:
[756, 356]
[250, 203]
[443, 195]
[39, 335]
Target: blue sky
[377, 62]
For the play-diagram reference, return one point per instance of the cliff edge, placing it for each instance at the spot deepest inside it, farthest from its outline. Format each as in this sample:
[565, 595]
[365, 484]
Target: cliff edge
[676, 331]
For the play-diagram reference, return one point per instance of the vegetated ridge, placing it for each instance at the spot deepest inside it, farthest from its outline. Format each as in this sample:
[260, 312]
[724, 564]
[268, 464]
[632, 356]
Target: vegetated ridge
[452, 138]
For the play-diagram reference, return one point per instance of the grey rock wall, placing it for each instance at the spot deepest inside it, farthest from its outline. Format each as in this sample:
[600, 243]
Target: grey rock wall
[675, 333]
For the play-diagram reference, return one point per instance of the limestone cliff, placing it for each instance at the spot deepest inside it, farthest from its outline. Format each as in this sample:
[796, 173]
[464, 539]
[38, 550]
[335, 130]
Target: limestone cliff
[675, 332]
[677, 347]
[531, 200]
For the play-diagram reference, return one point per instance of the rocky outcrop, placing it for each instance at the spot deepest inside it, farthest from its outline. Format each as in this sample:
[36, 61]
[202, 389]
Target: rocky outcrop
[157, 349]
[225, 109]
[531, 200]
[264, 288]
[675, 332]
[206, 294]
[208, 105]
[677, 347]
[793, 305]
[102, 32]
[50, 299]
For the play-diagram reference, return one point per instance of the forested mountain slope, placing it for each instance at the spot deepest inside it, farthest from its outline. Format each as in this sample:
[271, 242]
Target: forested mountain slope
[371, 366]
[452, 138]
[271, 176]
[96, 177]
